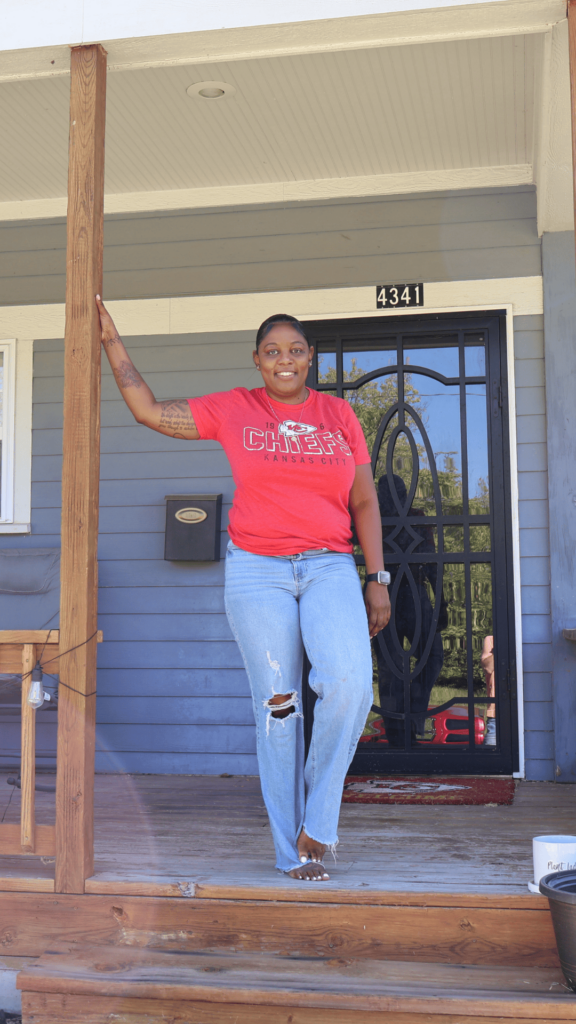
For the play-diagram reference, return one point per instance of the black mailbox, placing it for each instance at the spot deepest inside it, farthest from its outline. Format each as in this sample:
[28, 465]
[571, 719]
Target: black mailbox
[193, 527]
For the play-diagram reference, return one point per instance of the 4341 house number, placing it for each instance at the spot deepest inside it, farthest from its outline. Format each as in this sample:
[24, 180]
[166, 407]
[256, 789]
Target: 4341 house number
[399, 296]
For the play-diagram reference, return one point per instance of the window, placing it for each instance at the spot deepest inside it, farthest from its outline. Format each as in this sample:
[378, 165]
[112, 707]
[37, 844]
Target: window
[15, 435]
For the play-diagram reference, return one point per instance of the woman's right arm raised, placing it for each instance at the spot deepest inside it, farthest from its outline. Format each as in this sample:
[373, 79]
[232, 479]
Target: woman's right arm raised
[172, 417]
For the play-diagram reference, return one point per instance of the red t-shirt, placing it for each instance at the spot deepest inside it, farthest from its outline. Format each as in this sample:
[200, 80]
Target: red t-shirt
[293, 479]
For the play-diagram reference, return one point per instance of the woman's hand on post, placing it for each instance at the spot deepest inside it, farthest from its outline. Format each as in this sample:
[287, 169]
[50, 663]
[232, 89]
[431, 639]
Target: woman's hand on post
[172, 416]
[377, 603]
[133, 387]
[109, 334]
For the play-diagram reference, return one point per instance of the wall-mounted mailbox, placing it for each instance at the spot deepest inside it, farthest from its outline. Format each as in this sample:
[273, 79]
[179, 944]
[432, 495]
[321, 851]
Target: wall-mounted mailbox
[193, 527]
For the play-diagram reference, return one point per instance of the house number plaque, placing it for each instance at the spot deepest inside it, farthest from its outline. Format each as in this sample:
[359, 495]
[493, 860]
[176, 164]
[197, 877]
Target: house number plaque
[399, 296]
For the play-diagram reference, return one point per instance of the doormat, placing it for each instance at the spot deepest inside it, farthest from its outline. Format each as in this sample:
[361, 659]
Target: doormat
[379, 789]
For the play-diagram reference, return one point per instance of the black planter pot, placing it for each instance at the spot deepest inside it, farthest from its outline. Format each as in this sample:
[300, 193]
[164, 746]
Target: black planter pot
[560, 888]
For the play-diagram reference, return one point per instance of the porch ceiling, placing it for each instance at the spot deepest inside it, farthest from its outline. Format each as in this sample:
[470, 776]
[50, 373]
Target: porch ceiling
[367, 112]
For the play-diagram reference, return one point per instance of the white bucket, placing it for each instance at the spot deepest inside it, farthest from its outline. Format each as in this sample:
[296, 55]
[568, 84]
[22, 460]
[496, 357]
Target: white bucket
[552, 853]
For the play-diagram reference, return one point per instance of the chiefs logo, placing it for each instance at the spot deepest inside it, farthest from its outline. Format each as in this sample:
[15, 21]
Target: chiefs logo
[292, 429]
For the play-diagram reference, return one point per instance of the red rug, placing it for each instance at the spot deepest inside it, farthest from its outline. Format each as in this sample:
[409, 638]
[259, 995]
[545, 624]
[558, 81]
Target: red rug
[409, 789]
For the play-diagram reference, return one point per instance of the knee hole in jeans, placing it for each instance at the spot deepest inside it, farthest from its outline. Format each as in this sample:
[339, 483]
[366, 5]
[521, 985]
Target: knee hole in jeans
[281, 698]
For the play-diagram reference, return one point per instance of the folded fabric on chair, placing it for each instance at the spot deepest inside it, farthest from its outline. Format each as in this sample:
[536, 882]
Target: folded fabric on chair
[28, 570]
[29, 587]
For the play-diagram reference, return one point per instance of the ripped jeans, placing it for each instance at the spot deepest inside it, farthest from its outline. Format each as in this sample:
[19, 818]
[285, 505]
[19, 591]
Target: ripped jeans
[276, 607]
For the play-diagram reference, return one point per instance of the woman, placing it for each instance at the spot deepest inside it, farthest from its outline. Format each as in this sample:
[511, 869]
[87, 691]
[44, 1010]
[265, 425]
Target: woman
[487, 662]
[301, 466]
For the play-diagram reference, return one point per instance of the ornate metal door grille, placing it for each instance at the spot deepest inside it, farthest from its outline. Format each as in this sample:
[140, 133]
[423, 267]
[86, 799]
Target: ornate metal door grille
[431, 396]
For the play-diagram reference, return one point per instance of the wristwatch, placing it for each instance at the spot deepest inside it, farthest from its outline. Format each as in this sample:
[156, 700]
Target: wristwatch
[379, 577]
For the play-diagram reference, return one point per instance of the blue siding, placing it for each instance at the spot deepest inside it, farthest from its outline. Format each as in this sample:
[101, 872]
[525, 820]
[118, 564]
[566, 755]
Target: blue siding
[170, 761]
[174, 682]
[535, 541]
[534, 544]
[434, 237]
[159, 626]
[537, 687]
[162, 710]
[181, 738]
[175, 600]
[539, 716]
[559, 318]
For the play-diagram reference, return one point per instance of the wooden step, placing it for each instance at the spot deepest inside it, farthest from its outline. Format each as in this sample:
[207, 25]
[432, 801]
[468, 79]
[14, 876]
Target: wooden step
[130, 986]
[472, 932]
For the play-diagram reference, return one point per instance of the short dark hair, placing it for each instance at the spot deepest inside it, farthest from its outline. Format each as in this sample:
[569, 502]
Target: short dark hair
[279, 318]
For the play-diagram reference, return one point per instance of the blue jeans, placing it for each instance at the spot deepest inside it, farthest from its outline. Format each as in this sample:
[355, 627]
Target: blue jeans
[277, 606]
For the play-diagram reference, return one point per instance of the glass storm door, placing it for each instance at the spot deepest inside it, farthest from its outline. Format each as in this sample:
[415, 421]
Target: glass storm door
[431, 397]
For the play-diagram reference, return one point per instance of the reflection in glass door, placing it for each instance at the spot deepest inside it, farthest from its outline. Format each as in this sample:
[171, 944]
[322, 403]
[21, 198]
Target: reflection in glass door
[430, 396]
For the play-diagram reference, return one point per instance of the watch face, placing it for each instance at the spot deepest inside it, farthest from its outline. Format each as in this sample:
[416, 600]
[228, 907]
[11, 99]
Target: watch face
[384, 577]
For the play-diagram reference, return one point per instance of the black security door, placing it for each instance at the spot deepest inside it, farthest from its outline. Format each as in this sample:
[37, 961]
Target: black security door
[431, 397]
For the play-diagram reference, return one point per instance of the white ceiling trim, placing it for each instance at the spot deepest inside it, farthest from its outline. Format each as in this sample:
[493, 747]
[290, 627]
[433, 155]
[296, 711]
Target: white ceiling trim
[473, 21]
[207, 313]
[284, 191]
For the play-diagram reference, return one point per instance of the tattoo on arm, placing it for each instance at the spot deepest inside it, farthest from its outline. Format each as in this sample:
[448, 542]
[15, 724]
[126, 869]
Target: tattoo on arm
[176, 417]
[113, 341]
[127, 375]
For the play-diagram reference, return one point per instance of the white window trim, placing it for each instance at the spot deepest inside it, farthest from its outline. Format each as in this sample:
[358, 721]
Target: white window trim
[16, 436]
[7, 428]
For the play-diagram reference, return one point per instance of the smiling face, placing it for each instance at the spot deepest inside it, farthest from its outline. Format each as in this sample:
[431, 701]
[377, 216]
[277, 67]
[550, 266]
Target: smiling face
[284, 358]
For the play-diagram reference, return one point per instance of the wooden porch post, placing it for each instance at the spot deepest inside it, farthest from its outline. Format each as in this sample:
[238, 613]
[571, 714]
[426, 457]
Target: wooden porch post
[572, 52]
[80, 472]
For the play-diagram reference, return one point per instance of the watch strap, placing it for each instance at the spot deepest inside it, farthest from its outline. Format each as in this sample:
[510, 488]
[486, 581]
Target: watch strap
[375, 577]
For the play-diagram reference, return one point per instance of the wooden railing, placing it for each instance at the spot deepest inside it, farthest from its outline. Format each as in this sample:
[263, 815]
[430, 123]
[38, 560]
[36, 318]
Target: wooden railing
[19, 651]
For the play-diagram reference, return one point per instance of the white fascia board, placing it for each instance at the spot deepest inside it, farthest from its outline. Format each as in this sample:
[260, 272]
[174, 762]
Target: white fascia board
[316, 190]
[37, 37]
[31, 23]
[157, 16]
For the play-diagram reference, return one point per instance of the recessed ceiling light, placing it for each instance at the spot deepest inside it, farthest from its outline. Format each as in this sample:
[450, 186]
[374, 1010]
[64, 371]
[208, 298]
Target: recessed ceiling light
[210, 90]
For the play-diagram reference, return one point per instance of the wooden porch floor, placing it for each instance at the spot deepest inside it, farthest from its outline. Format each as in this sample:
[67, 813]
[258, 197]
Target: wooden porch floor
[183, 835]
